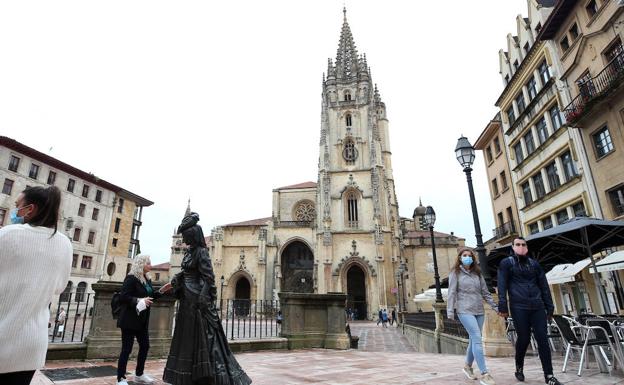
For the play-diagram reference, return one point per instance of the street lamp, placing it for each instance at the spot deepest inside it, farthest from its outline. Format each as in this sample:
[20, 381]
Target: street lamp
[221, 295]
[465, 154]
[402, 270]
[398, 279]
[430, 218]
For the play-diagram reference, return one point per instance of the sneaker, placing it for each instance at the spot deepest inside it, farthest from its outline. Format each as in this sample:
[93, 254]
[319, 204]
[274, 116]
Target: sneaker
[553, 381]
[122, 382]
[143, 379]
[486, 379]
[519, 375]
[469, 372]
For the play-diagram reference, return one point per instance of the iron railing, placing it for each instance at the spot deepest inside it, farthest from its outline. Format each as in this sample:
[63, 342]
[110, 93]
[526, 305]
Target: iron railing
[426, 320]
[250, 319]
[70, 317]
[504, 230]
[595, 87]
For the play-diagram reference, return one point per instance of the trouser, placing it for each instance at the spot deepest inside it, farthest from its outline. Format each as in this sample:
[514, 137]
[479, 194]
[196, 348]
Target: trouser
[17, 378]
[474, 325]
[526, 321]
[127, 340]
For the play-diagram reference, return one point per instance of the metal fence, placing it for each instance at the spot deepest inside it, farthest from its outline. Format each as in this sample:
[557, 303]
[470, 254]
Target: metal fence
[426, 320]
[70, 317]
[247, 319]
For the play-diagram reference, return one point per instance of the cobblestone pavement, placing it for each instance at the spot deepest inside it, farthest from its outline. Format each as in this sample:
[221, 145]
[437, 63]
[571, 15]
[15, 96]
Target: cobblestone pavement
[380, 361]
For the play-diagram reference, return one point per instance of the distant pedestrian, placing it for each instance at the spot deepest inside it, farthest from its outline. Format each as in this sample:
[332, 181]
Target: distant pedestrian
[380, 319]
[384, 317]
[393, 319]
[355, 315]
[36, 263]
[60, 322]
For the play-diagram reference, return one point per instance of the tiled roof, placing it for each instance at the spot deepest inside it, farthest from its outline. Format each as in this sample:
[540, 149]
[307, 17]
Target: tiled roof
[426, 234]
[252, 222]
[299, 185]
[162, 266]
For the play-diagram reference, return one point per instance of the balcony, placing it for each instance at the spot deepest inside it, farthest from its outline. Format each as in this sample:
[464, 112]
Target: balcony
[595, 89]
[504, 230]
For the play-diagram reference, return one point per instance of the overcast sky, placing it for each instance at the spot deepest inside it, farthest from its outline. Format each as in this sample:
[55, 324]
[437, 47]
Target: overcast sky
[220, 101]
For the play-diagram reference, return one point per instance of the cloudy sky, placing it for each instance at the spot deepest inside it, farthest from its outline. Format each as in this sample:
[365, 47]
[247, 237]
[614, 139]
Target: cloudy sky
[220, 101]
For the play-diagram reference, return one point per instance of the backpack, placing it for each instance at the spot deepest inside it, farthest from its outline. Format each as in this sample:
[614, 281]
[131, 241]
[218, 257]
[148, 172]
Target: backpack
[116, 305]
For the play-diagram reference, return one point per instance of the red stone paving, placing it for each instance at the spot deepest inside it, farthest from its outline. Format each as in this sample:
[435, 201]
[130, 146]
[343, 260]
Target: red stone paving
[385, 357]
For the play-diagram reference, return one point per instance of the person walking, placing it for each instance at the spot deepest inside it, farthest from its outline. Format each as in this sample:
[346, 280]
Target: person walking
[384, 318]
[36, 263]
[522, 279]
[60, 322]
[136, 297]
[380, 316]
[393, 319]
[466, 293]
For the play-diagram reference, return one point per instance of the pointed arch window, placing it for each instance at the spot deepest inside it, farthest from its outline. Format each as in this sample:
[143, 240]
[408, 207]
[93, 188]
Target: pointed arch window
[347, 95]
[352, 209]
[349, 153]
[348, 120]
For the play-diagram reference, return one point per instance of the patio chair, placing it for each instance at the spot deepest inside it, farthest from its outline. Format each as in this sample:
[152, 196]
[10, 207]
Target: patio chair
[614, 338]
[588, 339]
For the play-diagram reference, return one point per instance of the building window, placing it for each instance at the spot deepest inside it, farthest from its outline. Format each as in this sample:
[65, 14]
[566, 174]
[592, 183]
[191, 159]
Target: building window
[529, 142]
[34, 171]
[503, 178]
[349, 153]
[506, 79]
[520, 103]
[2, 216]
[51, 178]
[532, 88]
[77, 231]
[80, 290]
[538, 182]
[7, 187]
[497, 146]
[579, 209]
[569, 169]
[615, 50]
[114, 242]
[98, 195]
[533, 228]
[157, 277]
[515, 65]
[543, 72]
[526, 48]
[352, 210]
[304, 212]
[117, 224]
[75, 260]
[538, 28]
[495, 187]
[488, 154]
[602, 142]
[86, 262]
[121, 206]
[511, 115]
[555, 116]
[519, 153]
[553, 176]
[81, 210]
[564, 44]
[591, 8]
[85, 191]
[14, 163]
[91, 238]
[526, 192]
[70, 185]
[542, 131]
[617, 200]
[547, 223]
[95, 214]
[562, 216]
[574, 33]
[348, 119]
[347, 95]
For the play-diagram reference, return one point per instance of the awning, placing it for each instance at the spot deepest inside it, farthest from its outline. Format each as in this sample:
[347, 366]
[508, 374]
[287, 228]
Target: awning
[614, 261]
[430, 295]
[566, 272]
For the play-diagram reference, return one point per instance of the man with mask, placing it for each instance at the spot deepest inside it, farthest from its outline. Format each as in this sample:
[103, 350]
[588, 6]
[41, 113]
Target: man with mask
[522, 279]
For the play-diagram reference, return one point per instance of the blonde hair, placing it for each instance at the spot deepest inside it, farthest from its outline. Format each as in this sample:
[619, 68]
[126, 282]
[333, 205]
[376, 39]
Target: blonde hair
[137, 267]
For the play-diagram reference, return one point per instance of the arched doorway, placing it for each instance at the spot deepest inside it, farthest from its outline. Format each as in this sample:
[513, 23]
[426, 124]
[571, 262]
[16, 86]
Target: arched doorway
[242, 297]
[297, 268]
[356, 292]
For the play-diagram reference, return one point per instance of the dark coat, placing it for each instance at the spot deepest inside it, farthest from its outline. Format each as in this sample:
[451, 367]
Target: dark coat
[131, 292]
[525, 283]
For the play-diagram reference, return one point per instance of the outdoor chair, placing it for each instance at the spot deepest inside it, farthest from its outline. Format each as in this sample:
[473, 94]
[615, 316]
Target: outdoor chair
[591, 336]
[511, 331]
[614, 338]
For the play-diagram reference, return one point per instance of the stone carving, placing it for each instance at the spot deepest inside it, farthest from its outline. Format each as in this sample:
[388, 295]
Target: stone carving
[305, 211]
[354, 256]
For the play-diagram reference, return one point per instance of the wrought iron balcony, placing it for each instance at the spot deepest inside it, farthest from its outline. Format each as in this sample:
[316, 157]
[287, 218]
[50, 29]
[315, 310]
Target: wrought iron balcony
[504, 230]
[596, 88]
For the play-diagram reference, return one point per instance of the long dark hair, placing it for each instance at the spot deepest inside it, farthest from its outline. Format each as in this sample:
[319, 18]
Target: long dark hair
[473, 268]
[48, 201]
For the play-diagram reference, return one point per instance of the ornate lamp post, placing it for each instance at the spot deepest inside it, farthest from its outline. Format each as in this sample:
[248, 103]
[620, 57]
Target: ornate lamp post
[430, 218]
[465, 154]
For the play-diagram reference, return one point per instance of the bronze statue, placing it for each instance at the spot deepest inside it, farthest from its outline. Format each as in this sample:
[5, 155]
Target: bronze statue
[199, 354]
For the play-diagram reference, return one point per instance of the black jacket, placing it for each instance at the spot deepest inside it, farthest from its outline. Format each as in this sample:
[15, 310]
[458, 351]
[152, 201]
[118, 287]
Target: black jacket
[525, 282]
[131, 292]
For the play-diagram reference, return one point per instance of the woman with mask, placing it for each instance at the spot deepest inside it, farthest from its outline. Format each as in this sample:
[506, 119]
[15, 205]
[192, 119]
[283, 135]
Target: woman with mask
[36, 263]
[467, 290]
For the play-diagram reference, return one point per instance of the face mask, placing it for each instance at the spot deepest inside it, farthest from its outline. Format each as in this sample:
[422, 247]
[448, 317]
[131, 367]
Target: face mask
[16, 219]
[466, 260]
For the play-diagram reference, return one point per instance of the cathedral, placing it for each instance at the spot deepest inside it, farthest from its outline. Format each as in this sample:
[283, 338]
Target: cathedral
[343, 232]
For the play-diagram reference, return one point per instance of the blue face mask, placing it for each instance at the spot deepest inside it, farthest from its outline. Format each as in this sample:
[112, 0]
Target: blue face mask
[16, 219]
[466, 260]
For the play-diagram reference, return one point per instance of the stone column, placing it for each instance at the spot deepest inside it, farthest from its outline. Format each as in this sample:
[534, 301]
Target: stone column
[495, 342]
[438, 308]
[104, 339]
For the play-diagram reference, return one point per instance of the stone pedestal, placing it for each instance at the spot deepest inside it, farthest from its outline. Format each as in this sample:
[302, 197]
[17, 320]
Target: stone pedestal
[314, 320]
[104, 339]
[495, 342]
[438, 308]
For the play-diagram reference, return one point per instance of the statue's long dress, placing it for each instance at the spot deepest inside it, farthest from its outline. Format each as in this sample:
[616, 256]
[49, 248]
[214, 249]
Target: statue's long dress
[199, 353]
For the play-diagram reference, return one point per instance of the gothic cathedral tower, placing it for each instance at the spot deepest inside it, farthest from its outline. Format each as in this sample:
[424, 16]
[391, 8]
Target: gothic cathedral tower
[358, 235]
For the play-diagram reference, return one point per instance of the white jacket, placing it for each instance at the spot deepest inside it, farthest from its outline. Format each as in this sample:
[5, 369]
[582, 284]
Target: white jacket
[34, 267]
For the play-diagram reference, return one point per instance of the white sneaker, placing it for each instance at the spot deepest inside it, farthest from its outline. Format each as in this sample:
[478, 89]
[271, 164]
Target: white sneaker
[469, 372]
[486, 379]
[143, 379]
[122, 382]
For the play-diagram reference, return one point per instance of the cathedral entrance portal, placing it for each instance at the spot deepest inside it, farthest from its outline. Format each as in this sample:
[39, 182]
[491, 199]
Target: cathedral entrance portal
[297, 268]
[242, 297]
[356, 292]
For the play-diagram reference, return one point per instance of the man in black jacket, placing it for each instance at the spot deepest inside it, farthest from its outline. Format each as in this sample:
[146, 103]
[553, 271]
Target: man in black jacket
[522, 279]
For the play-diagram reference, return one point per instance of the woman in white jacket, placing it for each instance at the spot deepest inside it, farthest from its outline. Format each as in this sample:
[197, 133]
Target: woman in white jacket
[36, 262]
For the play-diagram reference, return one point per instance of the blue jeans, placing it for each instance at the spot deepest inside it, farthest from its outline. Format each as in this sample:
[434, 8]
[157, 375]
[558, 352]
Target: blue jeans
[474, 325]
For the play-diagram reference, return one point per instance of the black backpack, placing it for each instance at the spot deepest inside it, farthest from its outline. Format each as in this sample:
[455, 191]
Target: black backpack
[116, 305]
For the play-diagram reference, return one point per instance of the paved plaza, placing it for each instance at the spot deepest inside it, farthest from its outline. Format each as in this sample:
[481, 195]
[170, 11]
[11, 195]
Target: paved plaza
[384, 357]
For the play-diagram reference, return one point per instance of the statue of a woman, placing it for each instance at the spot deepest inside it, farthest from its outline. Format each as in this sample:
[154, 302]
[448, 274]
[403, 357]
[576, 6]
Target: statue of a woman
[199, 353]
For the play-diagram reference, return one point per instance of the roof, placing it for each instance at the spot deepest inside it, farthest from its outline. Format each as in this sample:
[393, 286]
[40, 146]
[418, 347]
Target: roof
[252, 222]
[427, 234]
[299, 185]
[485, 136]
[59, 165]
[162, 266]
[556, 19]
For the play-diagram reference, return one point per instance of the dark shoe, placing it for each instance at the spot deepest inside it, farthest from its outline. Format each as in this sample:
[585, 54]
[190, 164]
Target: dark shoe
[519, 375]
[553, 381]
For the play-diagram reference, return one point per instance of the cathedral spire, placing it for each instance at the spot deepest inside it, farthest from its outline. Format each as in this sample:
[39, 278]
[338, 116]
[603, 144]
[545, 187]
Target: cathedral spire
[188, 208]
[347, 56]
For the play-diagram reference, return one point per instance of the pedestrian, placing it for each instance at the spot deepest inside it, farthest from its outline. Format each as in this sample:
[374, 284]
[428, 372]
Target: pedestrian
[384, 317]
[36, 263]
[136, 297]
[60, 322]
[522, 279]
[380, 319]
[393, 319]
[354, 315]
[466, 293]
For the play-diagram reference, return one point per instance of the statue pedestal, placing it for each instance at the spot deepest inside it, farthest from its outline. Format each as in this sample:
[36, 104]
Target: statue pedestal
[495, 342]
